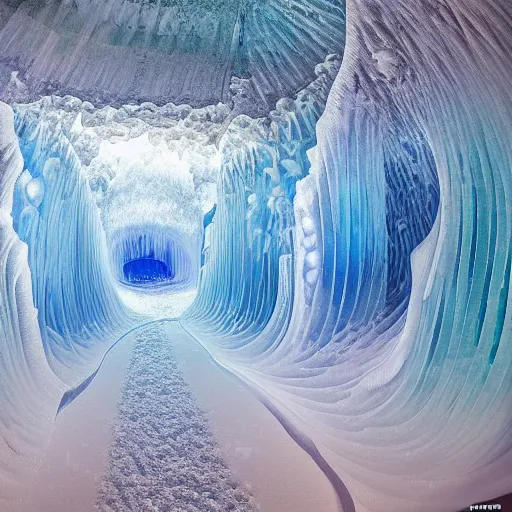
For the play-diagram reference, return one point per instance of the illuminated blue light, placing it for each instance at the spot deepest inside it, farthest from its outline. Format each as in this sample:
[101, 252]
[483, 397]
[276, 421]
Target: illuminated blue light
[146, 271]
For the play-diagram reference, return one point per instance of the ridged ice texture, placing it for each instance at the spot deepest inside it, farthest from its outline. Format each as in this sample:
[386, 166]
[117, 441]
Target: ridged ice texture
[252, 228]
[29, 390]
[388, 344]
[80, 314]
[48, 195]
[183, 51]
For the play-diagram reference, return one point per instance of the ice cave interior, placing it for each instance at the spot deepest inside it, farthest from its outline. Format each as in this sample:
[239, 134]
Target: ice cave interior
[319, 193]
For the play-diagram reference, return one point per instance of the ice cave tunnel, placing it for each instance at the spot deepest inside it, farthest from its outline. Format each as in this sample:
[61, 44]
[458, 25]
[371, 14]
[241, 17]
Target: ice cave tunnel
[255, 255]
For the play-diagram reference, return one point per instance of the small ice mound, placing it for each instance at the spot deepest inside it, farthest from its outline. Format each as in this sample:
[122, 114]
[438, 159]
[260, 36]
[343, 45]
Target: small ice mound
[161, 303]
[35, 191]
[164, 457]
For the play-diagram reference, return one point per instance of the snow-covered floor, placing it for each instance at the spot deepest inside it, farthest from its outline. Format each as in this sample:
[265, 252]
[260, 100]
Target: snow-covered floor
[159, 304]
[164, 457]
[163, 428]
[282, 476]
[75, 459]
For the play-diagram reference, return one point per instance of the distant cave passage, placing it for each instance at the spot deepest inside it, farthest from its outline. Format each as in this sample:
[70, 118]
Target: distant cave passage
[147, 270]
[156, 257]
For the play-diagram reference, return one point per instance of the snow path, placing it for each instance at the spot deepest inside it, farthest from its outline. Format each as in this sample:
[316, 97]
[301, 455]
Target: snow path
[164, 457]
[158, 374]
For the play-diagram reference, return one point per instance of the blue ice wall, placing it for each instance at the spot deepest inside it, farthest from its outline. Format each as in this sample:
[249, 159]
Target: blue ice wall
[80, 314]
[29, 390]
[365, 256]
[147, 270]
[386, 345]
[262, 161]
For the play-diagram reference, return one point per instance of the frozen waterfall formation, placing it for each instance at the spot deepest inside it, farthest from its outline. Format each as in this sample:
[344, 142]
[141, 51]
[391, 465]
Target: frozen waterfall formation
[351, 242]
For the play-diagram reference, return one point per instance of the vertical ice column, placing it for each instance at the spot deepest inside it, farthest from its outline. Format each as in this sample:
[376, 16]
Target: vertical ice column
[351, 217]
[252, 241]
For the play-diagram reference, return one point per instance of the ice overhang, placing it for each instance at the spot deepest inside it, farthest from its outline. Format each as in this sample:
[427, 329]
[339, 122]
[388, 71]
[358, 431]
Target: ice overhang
[179, 51]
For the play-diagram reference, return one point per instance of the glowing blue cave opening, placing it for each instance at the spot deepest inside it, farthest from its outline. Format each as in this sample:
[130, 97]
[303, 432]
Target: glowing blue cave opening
[147, 270]
[153, 257]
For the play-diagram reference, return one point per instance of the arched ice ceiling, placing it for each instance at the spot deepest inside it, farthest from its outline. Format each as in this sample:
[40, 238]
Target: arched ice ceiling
[118, 51]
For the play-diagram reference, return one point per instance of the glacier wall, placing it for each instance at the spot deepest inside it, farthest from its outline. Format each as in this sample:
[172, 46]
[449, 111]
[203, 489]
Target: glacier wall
[30, 392]
[54, 212]
[386, 344]
[262, 160]
[61, 311]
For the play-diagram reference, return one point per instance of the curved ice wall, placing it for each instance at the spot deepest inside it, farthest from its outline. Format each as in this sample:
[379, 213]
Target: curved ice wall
[387, 342]
[29, 390]
[251, 232]
[49, 352]
[80, 314]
